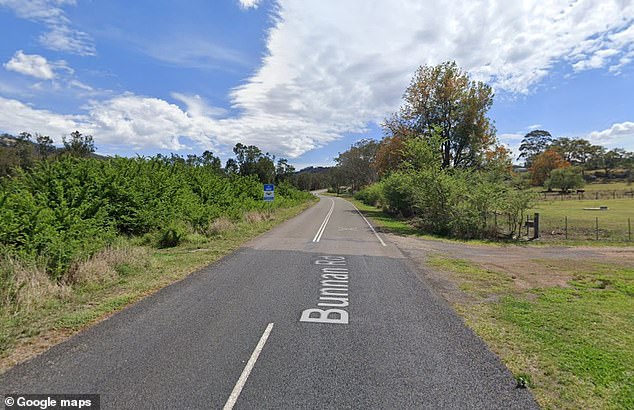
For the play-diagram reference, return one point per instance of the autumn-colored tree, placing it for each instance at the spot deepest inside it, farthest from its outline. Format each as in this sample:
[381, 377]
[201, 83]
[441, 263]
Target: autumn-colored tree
[544, 163]
[498, 158]
[390, 155]
[444, 98]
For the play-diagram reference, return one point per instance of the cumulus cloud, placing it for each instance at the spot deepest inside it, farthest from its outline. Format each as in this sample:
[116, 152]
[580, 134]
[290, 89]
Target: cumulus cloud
[16, 117]
[125, 121]
[30, 64]
[339, 65]
[620, 135]
[60, 35]
[248, 4]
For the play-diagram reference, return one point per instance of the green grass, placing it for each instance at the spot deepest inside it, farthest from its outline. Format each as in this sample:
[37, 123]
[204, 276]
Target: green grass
[86, 304]
[613, 223]
[575, 345]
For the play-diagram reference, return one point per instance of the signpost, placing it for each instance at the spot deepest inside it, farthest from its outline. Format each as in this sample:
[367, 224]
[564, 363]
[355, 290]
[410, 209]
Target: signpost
[269, 192]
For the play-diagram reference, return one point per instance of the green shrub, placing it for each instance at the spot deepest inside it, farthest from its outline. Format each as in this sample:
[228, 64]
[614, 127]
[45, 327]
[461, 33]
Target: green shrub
[172, 235]
[371, 195]
[69, 208]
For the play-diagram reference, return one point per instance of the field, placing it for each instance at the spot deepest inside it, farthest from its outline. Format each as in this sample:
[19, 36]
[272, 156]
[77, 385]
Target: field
[582, 224]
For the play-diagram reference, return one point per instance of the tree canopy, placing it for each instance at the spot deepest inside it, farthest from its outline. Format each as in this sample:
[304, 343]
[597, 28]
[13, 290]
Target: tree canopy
[443, 97]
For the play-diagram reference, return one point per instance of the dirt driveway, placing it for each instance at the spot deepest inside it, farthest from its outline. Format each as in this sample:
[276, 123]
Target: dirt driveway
[529, 266]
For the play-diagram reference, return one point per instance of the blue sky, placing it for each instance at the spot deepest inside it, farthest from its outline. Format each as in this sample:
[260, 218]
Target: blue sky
[304, 79]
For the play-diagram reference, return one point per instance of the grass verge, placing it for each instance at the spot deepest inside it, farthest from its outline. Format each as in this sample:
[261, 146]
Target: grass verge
[115, 279]
[573, 345]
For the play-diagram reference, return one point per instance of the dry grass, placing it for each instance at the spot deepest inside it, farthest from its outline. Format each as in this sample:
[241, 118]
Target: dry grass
[102, 266]
[253, 217]
[219, 226]
[27, 286]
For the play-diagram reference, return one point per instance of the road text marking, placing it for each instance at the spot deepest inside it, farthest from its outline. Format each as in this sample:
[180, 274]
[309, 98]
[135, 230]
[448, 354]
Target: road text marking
[370, 225]
[231, 401]
[333, 292]
[322, 228]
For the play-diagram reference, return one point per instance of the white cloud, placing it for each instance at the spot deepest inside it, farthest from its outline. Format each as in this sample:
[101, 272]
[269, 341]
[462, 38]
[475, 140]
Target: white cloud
[198, 107]
[127, 121]
[333, 67]
[30, 64]
[60, 36]
[248, 4]
[620, 135]
[16, 117]
[63, 38]
[190, 51]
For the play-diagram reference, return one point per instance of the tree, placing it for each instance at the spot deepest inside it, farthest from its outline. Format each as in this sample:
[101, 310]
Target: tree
[283, 170]
[209, 160]
[231, 167]
[565, 179]
[443, 96]
[79, 145]
[389, 154]
[543, 164]
[533, 144]
[44, 145]
[251, 161]
[356, 163]
[609, 160]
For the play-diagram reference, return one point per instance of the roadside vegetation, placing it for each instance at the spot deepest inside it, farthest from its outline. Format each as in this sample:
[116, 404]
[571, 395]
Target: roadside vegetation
[563, 324]
[441, 170]
[81, 235]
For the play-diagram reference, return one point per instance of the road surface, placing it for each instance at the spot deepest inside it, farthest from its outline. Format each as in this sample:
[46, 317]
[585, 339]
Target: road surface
[319, 312]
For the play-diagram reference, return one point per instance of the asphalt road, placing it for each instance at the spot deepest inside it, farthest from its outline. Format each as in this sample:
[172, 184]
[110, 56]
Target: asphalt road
[249, 331]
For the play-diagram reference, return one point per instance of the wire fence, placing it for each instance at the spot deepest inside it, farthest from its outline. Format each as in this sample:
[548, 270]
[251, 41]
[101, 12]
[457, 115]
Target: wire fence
[556, 228]
[592, 228]
[581, 195]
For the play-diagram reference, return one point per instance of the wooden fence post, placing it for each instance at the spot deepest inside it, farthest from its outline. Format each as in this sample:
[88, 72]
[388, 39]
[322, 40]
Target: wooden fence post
[536, 226]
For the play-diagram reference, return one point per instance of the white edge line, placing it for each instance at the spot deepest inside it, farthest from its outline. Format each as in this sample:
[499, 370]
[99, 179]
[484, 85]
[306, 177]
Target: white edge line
[322, 228]
[231, 401]
[369, 224]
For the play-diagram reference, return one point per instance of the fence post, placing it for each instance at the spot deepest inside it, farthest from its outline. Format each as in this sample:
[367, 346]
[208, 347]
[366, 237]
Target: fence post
[597, 228]
[629, 229]
[536, 226]
[566, 225]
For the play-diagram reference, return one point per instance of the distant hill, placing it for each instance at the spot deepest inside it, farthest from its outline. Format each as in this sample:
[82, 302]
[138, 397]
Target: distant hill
[313, 170]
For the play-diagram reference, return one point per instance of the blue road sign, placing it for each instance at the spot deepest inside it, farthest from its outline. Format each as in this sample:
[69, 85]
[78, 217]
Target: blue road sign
[269, 192]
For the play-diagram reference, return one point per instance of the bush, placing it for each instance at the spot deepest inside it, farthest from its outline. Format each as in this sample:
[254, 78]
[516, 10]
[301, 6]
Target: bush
[64, 210]
[456, 203]
[371, 195]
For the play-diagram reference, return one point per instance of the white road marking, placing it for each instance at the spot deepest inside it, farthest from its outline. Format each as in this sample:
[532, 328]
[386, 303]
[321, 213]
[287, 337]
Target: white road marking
[370, 225]
[231, 401]
[322, 228]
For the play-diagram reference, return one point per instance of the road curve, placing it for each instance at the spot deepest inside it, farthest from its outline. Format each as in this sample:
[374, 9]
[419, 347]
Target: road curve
[319, 312]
